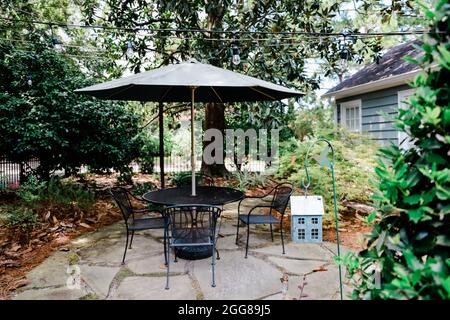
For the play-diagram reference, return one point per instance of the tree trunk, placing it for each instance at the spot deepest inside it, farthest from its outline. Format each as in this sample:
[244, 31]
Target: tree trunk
[215, 112]
[214, 118]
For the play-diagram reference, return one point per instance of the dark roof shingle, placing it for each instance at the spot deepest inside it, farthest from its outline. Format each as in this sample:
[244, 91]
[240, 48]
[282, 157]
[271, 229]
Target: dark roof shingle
[391, 64]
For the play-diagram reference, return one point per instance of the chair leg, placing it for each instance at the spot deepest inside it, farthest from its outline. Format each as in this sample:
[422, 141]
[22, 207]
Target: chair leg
[282, 238]
[165, 249]
[131, 241]
[237, 232]
[126, 247]
[213, 268]
[168, 270]
[175, 252]
[218, 255]
[248, 236]
[271, 231]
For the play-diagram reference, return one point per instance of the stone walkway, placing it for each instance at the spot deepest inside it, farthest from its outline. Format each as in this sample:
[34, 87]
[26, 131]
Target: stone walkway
[91, 269]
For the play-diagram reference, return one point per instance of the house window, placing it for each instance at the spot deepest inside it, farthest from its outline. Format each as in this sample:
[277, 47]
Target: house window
[351, 115]
[314, 234]
[301, 234]
[315, 220]
[301, 220]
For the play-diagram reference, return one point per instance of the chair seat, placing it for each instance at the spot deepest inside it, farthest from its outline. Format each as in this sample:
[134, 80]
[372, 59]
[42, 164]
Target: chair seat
[191, 236]
[258, 219]
[147, 223]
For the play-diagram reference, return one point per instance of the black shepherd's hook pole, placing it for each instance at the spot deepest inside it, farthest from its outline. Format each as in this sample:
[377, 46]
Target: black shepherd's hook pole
[306, 186]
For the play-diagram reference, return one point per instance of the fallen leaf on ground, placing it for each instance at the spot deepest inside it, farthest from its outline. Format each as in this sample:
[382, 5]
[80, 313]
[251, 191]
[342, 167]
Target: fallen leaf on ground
[84, 225]
[15, 247]
[9, 263]
[22, 283]
[320, 269]
[27, 250]
[91, 220]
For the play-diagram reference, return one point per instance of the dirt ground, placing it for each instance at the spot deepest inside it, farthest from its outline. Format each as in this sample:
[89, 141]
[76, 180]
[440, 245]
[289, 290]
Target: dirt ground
[17, 258]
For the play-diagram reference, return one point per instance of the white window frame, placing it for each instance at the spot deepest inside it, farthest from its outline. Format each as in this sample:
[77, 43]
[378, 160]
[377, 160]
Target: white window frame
[351, 104]
[401, 97]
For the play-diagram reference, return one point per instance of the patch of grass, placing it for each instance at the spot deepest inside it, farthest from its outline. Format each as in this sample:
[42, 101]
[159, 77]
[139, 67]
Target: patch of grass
[123, 273]
[73, 258]
[90, 296]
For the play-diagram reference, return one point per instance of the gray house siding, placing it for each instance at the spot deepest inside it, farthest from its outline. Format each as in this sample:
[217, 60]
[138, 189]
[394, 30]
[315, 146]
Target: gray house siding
[378, 109]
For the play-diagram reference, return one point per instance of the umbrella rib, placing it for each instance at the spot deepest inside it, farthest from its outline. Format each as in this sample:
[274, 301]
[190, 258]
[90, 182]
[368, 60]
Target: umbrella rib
[216, 94]
[123, 89]
[165, 93]
[263, 93]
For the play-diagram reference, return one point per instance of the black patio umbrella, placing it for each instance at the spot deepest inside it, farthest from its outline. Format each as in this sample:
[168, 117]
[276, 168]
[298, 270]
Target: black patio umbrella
[189, 81]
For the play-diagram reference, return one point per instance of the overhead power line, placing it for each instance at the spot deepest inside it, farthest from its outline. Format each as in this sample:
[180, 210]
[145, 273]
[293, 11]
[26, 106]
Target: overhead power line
[205, 31]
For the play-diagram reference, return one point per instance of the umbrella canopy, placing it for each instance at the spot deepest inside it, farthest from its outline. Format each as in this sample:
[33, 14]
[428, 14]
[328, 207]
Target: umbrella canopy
[173, 83]
[189, 82]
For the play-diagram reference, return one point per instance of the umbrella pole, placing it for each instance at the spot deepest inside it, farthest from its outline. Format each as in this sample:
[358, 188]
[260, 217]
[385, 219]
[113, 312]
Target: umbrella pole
[161, 145]
[192, 142]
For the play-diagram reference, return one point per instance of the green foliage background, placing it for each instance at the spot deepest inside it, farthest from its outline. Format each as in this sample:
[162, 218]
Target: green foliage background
[48, 121]
[354, 160]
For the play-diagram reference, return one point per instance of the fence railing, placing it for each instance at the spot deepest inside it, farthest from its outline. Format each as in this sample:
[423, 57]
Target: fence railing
[11, 172]
[176, 164]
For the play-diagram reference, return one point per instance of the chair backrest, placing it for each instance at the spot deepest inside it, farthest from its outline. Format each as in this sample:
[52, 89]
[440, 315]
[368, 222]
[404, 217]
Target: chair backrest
[201, 179]
[282, 193]
[185, 220]
[122, 199]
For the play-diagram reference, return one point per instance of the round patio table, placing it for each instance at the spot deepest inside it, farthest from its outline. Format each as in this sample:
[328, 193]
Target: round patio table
[209, 195]
[217, 196]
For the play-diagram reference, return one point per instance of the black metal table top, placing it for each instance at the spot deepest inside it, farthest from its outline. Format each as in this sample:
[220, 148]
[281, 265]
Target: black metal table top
[205, 195]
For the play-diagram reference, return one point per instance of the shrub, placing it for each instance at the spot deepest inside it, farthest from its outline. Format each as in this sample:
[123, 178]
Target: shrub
[49, 121]
[248, 180]
[354, 162]
[22, 220]
[148, 150]
[31, 191]
[67, 193]
[36, 194]
[410, 242]
[140, 188]
[126, 176]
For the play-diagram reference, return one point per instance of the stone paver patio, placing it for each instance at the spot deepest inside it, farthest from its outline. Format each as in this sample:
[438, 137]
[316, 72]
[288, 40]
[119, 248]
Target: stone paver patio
[92, 269]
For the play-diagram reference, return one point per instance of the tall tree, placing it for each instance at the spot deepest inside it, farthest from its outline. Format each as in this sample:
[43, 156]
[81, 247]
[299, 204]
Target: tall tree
[246, 25]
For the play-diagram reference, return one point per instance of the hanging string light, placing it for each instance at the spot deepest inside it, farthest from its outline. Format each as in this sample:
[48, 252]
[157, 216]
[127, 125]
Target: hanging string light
[29, 81]
[57, 44]
[344, 45]
[130, 50]
[236, 57]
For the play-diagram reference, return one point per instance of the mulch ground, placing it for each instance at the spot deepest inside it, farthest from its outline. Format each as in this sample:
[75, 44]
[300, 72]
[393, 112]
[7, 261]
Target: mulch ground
[17, 258]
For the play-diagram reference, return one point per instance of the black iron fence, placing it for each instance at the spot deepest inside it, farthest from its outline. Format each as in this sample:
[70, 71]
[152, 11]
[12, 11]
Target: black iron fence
[176, 164]
[11, 172]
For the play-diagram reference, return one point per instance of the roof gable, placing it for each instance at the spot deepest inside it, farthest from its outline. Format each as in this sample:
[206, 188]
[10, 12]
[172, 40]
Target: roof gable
[391, 64]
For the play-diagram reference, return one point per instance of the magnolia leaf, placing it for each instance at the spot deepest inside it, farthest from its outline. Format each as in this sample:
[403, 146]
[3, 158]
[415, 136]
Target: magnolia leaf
[446, 285]
[414, 199]
[443, 240]
[415, 214]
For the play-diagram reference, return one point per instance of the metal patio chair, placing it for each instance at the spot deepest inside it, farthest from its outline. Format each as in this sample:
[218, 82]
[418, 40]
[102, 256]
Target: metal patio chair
[123, 199]
[281, 194]
[201, 179]
[192, 226]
